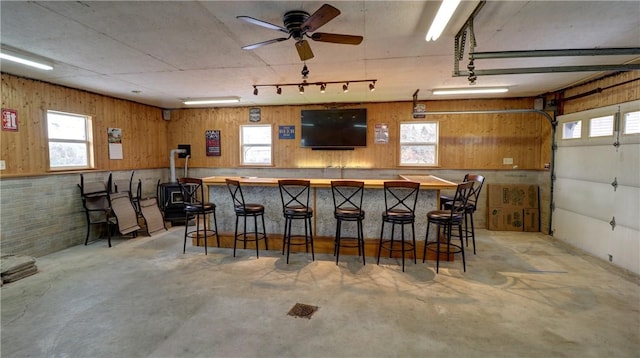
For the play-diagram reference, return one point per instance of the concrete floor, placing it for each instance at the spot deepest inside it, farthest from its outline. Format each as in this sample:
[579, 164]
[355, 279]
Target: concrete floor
[523, 295]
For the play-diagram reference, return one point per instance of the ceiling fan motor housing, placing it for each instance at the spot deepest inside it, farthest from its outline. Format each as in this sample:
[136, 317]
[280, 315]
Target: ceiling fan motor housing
[293, 21]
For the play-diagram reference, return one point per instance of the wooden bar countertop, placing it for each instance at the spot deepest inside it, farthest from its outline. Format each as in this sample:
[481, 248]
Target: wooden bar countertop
[426, 181]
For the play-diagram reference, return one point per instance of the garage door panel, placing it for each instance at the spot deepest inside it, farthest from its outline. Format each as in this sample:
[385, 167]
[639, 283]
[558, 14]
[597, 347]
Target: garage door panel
[624, 248]
[584, 199]
[626, 206]
[628, 165]
[589, 163]
[581, 231]
[595, 200]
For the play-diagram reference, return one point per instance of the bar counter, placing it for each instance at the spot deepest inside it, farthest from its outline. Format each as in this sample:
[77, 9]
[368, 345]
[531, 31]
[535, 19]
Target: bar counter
[265, 191]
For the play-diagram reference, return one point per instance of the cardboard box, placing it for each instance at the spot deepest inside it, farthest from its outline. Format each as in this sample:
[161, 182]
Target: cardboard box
[506, 219]
[523, 196]
[532, 220]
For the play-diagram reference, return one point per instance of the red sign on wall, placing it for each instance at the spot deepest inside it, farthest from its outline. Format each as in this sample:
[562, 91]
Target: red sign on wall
[213, 143]
[9, 120]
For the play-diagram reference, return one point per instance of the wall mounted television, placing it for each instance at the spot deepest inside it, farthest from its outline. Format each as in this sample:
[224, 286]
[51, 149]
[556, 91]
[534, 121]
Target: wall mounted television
[333, 128]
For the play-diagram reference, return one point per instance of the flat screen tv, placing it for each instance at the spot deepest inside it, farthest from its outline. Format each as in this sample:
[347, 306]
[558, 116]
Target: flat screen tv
[333, 128]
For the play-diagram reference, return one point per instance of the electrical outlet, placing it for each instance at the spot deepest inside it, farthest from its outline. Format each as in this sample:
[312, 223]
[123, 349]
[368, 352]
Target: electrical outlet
[507, 161]
[3, 165]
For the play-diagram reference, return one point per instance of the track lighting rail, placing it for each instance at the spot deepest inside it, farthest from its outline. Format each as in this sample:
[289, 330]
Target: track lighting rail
[322, 85]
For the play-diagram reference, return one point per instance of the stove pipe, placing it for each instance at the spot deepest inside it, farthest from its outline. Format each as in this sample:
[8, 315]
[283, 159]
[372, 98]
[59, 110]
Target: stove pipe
[172, 163]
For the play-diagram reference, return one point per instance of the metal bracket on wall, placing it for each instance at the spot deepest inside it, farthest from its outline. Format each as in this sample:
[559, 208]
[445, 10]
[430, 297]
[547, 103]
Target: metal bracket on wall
[613, 223]
[614, 183]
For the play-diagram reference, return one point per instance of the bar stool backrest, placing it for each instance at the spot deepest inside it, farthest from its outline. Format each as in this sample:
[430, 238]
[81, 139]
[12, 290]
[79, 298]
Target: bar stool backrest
[347, 195]
[464, 191]
[192, 191]
[294, 193]
[236, 193]
[475, 191]
[400, 197]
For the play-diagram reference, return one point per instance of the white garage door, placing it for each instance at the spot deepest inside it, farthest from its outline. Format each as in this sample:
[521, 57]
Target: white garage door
[597, 186]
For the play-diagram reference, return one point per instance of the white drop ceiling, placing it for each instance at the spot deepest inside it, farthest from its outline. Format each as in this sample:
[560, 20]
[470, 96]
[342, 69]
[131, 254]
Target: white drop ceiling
[162, 52]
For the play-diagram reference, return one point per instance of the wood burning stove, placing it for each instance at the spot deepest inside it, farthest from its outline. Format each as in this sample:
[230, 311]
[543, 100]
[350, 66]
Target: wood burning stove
[171, 202]
[170, 194]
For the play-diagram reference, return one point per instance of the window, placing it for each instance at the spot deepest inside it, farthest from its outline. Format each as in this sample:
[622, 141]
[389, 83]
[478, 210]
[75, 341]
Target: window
[601, 126]
[632, 123]
[418, 143]
[572, 130]
[255, 144]
[70, 141]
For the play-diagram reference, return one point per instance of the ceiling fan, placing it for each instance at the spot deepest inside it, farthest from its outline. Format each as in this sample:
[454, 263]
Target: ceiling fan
[298, 24]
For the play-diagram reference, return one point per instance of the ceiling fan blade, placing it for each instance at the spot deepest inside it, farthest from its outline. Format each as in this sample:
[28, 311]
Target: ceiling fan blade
[260, 44]
[268, 25]
[323, 15]
[304, 50]
[337, 38]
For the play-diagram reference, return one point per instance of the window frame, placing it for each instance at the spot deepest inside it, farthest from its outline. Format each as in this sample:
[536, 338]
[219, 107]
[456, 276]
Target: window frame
[562, 137]
[88, 141]
[611, 116]
[625, 121]
[435, 144]
[242, 145]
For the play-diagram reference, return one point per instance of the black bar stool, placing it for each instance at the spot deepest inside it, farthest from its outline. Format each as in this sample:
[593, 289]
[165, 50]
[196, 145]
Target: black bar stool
[470, 208]
[447, 219]
[347, 202]
[400, 198]
[295, 206]
[243, 210]
[196, 207]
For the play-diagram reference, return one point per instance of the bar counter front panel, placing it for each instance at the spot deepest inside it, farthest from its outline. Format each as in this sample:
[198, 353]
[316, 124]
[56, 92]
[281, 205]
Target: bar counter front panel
[265, 191]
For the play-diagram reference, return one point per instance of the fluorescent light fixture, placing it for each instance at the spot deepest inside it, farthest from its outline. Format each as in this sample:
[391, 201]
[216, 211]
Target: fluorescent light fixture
[25, 59]
[447, 8]
[479, 90]
[218, 100]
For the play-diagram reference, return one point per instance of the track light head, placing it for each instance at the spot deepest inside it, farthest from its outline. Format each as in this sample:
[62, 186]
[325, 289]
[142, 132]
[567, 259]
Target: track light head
[255, 90]
[372, 86]
[323, 87]
[345, 87]
[301, 89]
[278, 90]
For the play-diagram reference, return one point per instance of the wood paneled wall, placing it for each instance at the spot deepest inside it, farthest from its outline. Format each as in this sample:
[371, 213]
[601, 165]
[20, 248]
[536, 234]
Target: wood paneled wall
[25, 151]
[467, 141]
[619, 88]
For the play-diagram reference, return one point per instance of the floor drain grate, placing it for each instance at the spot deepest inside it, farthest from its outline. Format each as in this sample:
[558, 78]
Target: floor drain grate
[302, 310]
